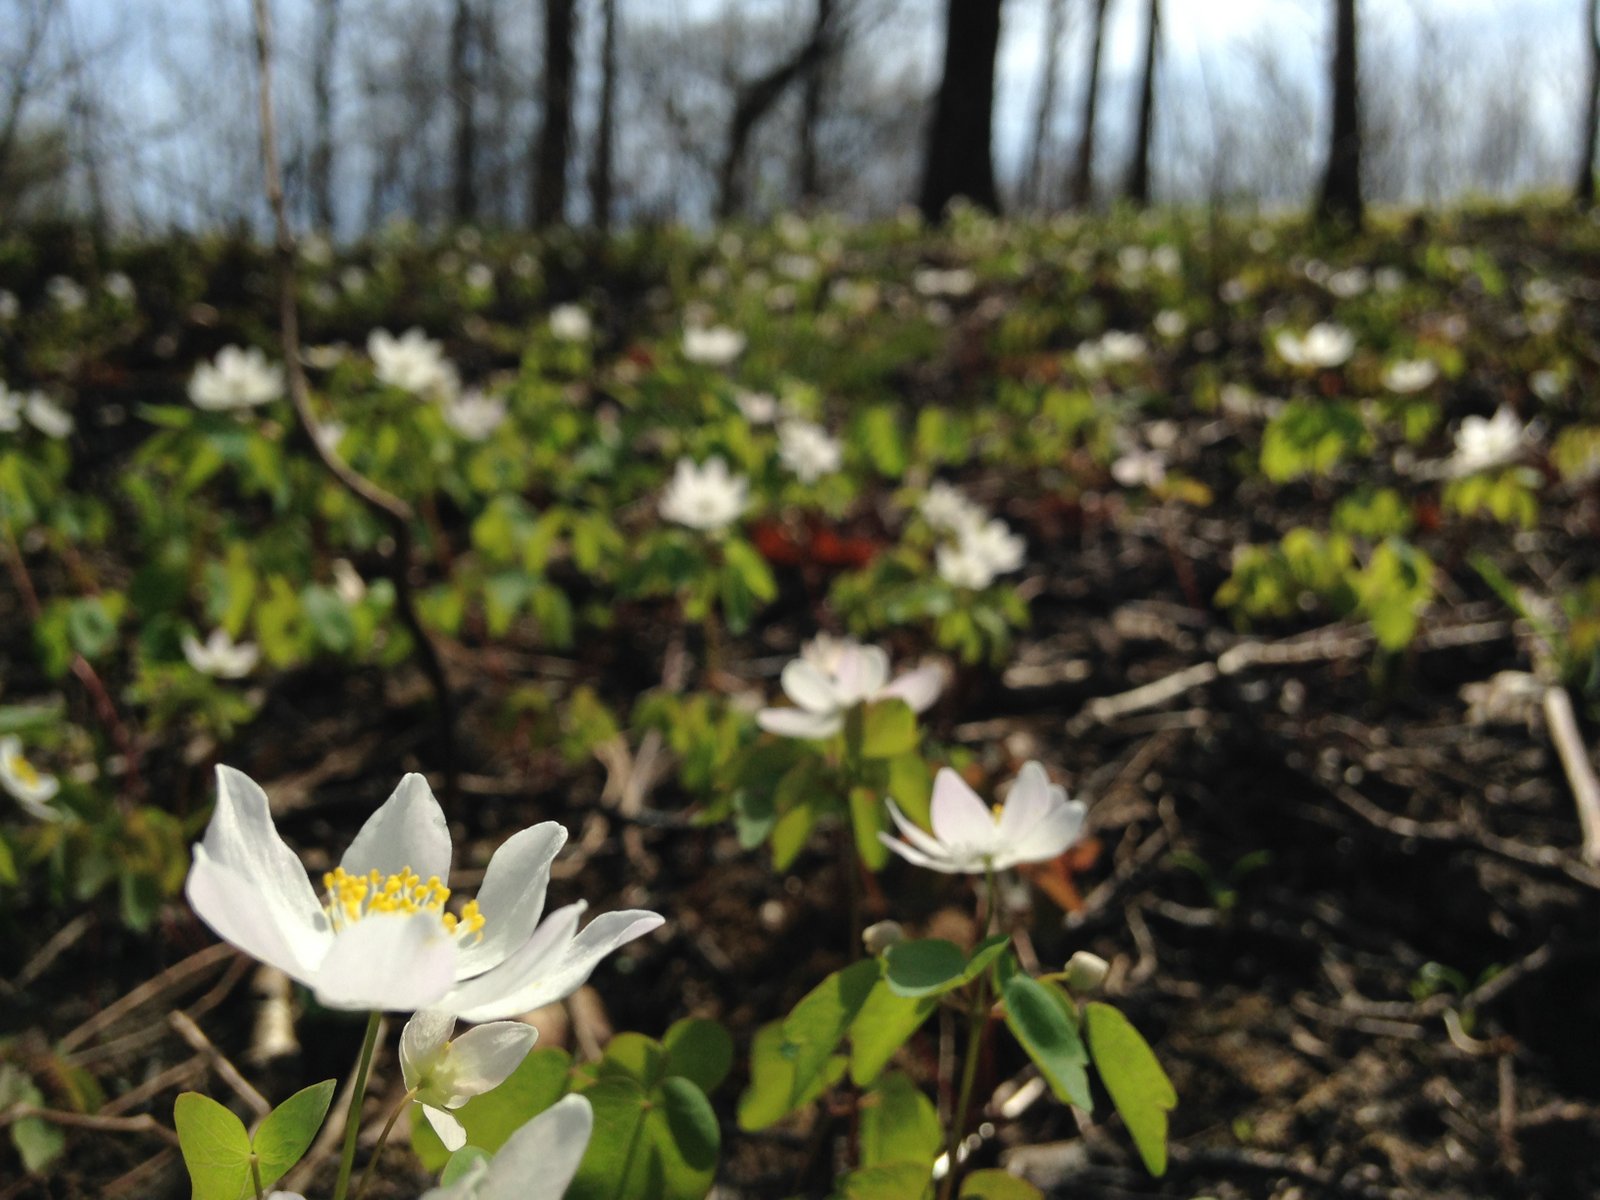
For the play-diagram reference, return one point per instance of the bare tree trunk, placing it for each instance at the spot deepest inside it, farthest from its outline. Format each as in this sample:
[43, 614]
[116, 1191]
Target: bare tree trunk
[1138, 188]
[21, 84]
[1032, 190]
[752, 102]
[464, 99]
[555, 134]
[320, 179]
[960, 156]
[811, 111]
[600, 177]
[1340, 199]
[1583, 192]
[1083, 169]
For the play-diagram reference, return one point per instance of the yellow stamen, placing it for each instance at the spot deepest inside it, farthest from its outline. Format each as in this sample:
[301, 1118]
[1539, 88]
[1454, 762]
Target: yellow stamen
[351, 897]
[23, 770]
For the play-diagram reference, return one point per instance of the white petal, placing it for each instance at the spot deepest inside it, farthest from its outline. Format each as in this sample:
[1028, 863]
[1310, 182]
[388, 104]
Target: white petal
[809, 687]
[918, 837]
[958, 816]
[233, 905]
[917, 858]
[388, 962]
[242, 838]
[539, 1160]
[798, 723]
[422, 1043]
[1027, 803]
[862, 672]
[512, 896]
[919, 688]
[491, 996]
[1048, 839]
[407, 831]
[482, 1057]
[451, 1131]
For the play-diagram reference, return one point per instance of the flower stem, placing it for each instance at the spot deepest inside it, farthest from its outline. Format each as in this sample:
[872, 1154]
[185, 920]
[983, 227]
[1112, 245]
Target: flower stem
[991, 901]
[976, 1020]
[383, 1138]
[352, 1116]
[255, 1176]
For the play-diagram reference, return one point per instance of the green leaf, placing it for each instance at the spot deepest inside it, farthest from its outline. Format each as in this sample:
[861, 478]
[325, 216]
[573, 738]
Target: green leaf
[685, 1137]
[699, 1050]
[813, 1030]
[773, 1093]
[289, 1129]
[790, 833]
[899, 1124]
[215, 1146]
[887, 1181]
[866, 822]
[927, 967]
[889, 729]
[911, 786]
[636, 1057]
[882, 1026]
[537, 1083]
[995, 1184]
[1133, 1076]
[1038, 1015]
[616, 1161]
[38, 1142]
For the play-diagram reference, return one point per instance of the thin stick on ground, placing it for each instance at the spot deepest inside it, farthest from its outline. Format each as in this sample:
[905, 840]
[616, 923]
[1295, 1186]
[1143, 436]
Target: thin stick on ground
[1575, 762]
[393, 510]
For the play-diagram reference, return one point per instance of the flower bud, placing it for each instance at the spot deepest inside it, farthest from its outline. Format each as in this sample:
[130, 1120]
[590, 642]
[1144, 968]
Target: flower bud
[1085, 973]
[878, 938]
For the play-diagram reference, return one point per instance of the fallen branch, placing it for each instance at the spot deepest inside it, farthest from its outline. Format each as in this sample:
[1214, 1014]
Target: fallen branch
[1574, 757]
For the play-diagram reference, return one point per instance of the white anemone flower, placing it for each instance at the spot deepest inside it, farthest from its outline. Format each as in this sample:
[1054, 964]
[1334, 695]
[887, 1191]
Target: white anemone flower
[220, 656]
[708, 498]
[716, 346]
[1484, 443]
[443, 1074]
[1140, 469]
[1409, 375]
[412, 362]
[758, 408]
[537, 1162]
[1035, 824]
[475, 415]
[11, 406]
[832, 676]
[43, 413]
[27, 785]
[1324, 345]
[808, 451]
[947, 510]
[235, 379]
[570, 323]
[381, 937]
[983, 550]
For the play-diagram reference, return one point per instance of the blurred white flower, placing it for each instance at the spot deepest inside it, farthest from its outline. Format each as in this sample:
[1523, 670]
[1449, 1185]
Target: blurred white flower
[1546, 384]
[808, 451]
[347, 581]
[353, 280]
[983, 550]
[1409, 375]
[66, 294]
[537, 1162]
[1323, 345]
[475, 415]
[1389, 279]
[1350, 282]
[953, 282]
[119, 287]
[329, 434]
[832, 676]
[10, 306]
[1140, 468]
[800, 267]
[45, 415]
[707, 498]
[1113, 348]
[716, 346]
[382, 938]
[413, 362]
[220, 656]
[479, 277]
[1485, 443]
[237, 378]
[27, 785]
[1170, 323]
[11, 404]
[758, 408]
[1035, 824]
[570, 323]
[947, 510]
[444, 1073]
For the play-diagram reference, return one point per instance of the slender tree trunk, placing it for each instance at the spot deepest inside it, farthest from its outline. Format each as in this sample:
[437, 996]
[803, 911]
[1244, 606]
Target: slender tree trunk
[960, 155]
[1583, 192]
[464, 101]
[600, 178]
[1138, 188]
[1083, 169]
[1032, 191]
[811, 111]
[1340, 200]
[754, 101]
[555, 134]
[320, 181]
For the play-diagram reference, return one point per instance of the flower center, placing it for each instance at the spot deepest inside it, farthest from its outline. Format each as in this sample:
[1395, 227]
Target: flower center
[351, 897]
[22, 770]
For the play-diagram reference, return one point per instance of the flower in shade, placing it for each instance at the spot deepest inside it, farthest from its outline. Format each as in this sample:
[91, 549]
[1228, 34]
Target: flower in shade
[1409, 375]
[808, 451]
[708, 498]
[219, 655]
[413, 362]
[27, 785]
[1484, 443]
[236, 378]
[384, 935]
[832, 676]
[716, 346]
[1035, 824]
[444, 1073]
[570, 323]
[1323, 345]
